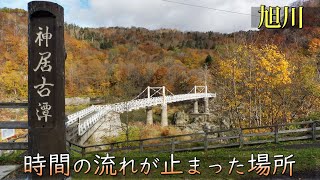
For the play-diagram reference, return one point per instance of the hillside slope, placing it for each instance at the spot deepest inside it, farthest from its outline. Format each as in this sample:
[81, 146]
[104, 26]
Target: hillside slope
[261, 77]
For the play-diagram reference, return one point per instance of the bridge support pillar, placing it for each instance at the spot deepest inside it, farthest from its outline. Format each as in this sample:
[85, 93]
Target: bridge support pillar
[164, 115]
[149, 116]
[206, 105]
[196, 107]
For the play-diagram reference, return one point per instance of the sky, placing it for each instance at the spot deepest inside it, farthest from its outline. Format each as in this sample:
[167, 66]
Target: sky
[223, 16]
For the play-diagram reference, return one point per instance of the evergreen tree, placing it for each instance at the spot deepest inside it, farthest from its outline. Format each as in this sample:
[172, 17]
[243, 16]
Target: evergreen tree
[208, 60]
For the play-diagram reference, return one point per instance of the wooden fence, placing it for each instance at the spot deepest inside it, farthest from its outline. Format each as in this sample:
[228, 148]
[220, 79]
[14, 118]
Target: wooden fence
[12, 144]
[211, 139]
[186, 142]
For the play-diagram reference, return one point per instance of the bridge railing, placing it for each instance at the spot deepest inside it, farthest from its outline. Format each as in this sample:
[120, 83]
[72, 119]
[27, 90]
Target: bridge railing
[83, 127]
[72, 118]
[212, 139]
[142, 103]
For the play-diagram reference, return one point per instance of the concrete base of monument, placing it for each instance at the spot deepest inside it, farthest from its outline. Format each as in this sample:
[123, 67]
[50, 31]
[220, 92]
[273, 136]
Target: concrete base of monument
[7, 170]
[16, 172]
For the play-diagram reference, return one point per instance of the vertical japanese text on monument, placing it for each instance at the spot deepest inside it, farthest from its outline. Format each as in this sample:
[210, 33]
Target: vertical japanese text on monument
[44, 88]
[43, 36]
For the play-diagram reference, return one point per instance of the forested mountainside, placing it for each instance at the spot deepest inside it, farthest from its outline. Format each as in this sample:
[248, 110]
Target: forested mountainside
[261, 77]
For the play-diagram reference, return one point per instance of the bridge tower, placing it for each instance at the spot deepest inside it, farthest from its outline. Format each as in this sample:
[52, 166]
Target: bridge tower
[149, 110]
[201, 89]
[206, 101]
[196, 107]
[196, 103]
[157, 92]
[164, 112]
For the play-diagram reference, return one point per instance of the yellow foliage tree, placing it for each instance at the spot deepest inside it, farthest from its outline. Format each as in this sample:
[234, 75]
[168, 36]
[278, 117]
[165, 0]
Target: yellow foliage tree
[13, 81]
[251, 76]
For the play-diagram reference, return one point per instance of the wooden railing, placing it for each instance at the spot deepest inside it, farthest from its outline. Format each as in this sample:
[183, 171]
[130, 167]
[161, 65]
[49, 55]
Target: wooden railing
[13, 105]
[186, 142]
[12, 144]
[210, 140]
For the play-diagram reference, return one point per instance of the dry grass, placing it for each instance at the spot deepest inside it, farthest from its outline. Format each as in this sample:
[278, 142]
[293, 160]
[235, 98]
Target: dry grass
[155, 130]
[152, 131]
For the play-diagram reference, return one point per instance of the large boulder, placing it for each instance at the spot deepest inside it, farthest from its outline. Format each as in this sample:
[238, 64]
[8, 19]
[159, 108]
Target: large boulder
[180, 118]
[202, 122]
[195, 122]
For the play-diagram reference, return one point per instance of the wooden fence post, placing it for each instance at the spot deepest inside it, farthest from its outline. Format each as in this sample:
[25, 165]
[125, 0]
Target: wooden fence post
[240, 138]
[83, 151]
[314, 126]
[276, 133]
[111, 147]
[205, 141]
[141, 146]
[172, 145]
[68, 146]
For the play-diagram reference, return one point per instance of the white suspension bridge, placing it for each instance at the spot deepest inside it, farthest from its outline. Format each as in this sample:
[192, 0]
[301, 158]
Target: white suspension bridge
[83, 123]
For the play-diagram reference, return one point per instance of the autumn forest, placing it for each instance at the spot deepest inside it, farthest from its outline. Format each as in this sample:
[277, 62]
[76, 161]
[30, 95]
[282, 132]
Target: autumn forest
[260, 77]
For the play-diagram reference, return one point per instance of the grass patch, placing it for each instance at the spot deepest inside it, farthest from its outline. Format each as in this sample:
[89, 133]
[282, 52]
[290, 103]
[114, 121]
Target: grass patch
[307, 160]
[306, 155]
